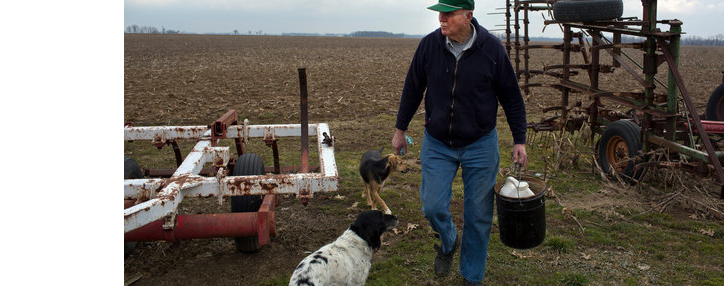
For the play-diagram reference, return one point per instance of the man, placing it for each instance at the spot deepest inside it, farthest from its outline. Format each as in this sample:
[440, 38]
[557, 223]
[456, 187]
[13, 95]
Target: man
[464, 72]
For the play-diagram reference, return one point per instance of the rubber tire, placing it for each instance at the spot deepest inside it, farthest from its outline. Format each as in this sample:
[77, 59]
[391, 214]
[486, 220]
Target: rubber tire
[621, 131]
[587, 10]
[131, 170]
[247, 164]
[715, 105]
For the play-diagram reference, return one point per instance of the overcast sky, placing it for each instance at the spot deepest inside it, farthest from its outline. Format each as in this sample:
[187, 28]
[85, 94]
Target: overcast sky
[700, 17]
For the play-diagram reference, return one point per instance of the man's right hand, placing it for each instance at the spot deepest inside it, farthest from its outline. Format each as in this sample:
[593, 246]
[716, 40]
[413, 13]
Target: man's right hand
[399, 142]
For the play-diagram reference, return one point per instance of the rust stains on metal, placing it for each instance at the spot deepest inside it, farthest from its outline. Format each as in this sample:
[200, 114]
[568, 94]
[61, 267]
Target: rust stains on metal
[239, 187]
[269, 188]
[220, 126]
[242, 185]
[218, 162]
[129, 216]
[327, 139]
[180, 181]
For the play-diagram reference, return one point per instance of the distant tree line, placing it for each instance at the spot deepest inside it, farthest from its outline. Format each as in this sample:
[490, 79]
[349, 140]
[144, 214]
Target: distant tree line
[378, 34]
[135, 29]
[717, 40]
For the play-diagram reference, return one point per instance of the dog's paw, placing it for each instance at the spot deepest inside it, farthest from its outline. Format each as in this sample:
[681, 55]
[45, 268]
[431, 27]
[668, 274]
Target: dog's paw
[388, 211]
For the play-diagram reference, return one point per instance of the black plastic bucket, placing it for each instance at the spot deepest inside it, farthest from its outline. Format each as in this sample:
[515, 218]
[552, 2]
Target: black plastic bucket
[522, 222]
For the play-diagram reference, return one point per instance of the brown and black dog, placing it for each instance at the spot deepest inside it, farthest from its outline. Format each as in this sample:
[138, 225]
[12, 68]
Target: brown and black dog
[374, 169]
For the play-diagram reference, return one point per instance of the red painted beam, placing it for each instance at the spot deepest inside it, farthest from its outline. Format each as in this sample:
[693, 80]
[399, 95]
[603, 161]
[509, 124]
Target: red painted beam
[261, 224]
[711, 126]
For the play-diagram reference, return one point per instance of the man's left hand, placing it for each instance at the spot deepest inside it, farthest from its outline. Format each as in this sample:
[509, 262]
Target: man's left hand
[519, 155]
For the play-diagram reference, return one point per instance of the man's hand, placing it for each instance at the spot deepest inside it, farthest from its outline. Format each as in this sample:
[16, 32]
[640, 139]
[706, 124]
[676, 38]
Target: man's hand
[519, 155]
[400, 143]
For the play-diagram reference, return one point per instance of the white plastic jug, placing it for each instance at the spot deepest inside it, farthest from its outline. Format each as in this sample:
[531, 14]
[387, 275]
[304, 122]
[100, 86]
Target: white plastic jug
[516, 190]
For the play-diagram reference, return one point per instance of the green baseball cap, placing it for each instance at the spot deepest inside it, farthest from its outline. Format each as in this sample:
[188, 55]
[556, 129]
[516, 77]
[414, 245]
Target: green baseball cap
[452, 5]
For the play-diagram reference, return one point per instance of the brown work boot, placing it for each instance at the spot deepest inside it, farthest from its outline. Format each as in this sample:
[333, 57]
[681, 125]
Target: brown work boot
[443, 261]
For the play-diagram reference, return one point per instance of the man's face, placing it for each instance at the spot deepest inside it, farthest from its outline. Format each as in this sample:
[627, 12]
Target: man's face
[453, 23]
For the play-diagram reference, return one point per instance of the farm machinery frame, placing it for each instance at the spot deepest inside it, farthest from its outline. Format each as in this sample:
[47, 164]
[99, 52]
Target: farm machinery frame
[152, 197]
[658, 120]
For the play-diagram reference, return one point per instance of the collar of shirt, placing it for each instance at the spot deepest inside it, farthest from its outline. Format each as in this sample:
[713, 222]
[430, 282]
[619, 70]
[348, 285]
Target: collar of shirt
[458, 48]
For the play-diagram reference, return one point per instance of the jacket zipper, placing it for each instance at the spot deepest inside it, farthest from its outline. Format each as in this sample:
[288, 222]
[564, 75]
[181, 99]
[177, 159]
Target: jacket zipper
[452, 105]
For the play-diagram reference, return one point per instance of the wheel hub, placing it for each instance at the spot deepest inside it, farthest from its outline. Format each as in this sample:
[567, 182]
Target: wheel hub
[617, 153]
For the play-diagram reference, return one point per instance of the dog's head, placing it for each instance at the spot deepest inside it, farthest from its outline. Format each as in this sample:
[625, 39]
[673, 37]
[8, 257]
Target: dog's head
[370, 225]
[396, 162]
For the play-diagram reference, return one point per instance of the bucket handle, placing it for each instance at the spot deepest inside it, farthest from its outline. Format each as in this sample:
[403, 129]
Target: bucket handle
[518, 168]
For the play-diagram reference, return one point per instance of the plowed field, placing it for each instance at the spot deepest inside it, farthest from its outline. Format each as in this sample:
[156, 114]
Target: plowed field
[194, 79]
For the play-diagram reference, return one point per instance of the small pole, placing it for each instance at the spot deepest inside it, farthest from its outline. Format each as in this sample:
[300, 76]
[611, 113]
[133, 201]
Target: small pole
[304, 118]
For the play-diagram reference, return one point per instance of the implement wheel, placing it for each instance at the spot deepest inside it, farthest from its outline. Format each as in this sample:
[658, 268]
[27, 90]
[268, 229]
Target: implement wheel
[131, 170]
[247, 164]
[587, 10]
[715, 105]
[618, 148]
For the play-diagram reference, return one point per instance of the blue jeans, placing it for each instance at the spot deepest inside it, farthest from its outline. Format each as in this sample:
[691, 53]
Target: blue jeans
[479, 162]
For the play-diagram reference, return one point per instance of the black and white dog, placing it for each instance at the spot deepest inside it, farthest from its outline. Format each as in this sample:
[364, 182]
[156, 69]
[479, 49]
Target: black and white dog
[347, 260]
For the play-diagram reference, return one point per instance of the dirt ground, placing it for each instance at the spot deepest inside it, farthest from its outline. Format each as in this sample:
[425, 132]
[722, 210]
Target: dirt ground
[193, 79]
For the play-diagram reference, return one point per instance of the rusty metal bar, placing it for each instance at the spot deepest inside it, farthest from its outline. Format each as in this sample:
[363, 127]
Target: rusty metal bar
[166, 133]
[516, 24]
[618, 59]
[163, 133]
[586, 67]
[692, 112]
[219, 126]
[275, 154]
[239, 146]
[595, 58]
[304, 118]
[526, 40]
[615, 29]
[507, 26]
[167, 173]
[581, 47]
[672, 105]
[177, 152]
[566, 70]
[617, 48]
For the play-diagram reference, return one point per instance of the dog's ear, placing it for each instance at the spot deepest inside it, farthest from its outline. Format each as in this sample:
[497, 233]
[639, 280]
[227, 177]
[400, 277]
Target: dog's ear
[370, 234]
[391, 160]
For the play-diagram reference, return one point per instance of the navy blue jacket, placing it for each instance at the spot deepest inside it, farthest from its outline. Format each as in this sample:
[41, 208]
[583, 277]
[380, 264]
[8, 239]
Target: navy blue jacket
[461, 101]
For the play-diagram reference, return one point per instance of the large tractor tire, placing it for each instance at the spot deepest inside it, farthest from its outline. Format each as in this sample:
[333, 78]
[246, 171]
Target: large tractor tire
[587, 10]
[247, 164]
[131, 170]
[715, 105]
[618, 148]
